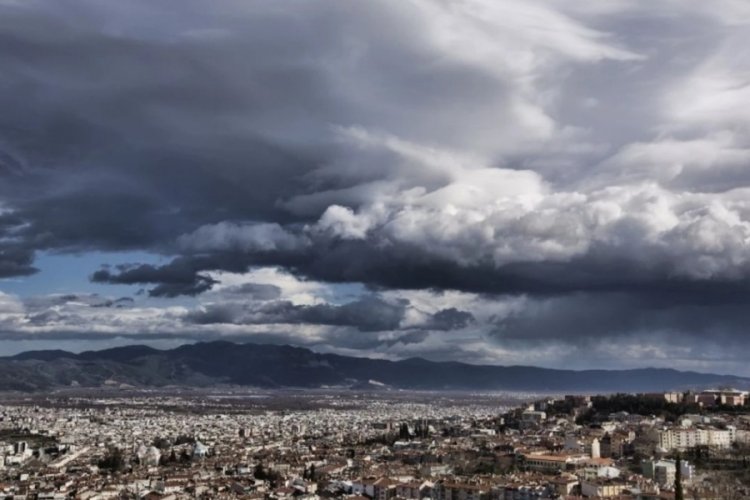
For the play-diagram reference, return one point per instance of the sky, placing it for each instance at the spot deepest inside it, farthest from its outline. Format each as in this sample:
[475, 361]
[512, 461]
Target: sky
[546, 182]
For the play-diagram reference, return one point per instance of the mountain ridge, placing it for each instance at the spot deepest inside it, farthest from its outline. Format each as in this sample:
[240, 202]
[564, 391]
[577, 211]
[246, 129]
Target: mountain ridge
[284, 366]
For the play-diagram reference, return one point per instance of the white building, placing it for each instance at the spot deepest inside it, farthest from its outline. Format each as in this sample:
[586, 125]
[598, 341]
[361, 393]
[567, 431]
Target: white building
[686, 438]
[602, 488]
[595, 450]
[663, 472]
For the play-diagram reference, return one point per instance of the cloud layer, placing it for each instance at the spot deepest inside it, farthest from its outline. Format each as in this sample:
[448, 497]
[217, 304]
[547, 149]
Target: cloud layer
[466, 179]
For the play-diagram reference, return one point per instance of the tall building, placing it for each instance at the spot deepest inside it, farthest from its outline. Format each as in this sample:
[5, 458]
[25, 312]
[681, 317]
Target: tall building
[595, 449]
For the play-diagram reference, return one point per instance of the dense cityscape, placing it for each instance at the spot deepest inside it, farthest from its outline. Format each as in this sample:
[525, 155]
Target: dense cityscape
[379, 445]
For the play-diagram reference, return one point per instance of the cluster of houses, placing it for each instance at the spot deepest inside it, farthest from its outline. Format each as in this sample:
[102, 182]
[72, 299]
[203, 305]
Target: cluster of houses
[373, 448]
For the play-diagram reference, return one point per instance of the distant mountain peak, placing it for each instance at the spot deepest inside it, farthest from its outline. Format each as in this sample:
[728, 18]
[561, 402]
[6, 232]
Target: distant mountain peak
[271, 365]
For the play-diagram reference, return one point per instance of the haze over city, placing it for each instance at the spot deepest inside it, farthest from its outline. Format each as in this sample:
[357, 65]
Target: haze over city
[550, 183]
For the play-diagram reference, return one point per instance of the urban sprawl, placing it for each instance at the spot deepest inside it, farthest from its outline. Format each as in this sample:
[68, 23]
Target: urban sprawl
[377, 445]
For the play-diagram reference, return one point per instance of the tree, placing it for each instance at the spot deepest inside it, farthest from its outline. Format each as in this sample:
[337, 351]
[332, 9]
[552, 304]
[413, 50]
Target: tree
[260, 472]
[161, 443]
[182, 439]
[403, 432]
[264, 474]
[678, 494]
[113, 460]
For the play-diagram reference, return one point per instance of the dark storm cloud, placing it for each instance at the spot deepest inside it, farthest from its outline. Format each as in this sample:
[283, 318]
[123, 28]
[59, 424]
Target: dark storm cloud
[400, 144]
[16, 261]
[46, 317]
[254, 291]
[408, 338]
[123, 136]
[112, 143]
[43, 302]
[630, 330]
[181, 277]
[405, 267]
[587, 317]
[16, 255]
[449, 319]
[117, 303]
[368, 314]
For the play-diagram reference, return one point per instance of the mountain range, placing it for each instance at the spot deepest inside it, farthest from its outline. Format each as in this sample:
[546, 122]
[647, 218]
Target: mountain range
[207, 364]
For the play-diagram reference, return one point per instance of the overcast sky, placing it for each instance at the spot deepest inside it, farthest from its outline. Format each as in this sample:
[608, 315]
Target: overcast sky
[555, 183]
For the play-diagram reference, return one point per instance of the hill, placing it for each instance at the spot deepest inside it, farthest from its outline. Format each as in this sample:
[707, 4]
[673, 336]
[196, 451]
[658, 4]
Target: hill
[274, 366]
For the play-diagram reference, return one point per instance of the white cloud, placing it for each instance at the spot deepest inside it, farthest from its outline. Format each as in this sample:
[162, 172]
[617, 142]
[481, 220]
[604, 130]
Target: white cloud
[293, 289]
